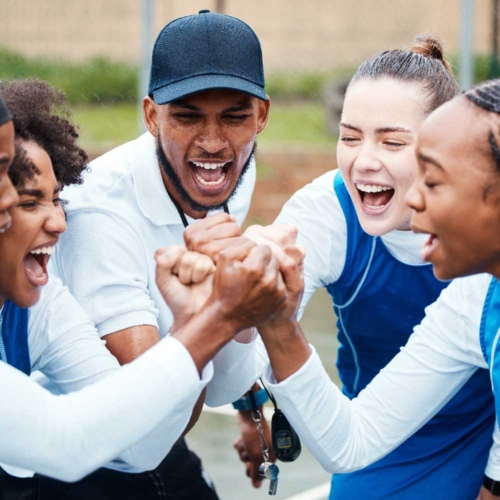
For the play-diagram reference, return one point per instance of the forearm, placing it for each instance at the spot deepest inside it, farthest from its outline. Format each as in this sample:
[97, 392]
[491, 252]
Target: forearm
[205, 334]
[74, 434]
[347, 435]
[235, 370]
[287, 348]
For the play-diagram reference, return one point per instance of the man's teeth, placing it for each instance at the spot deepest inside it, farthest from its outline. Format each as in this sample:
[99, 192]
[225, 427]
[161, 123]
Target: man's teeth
[47, 250]
[209, 166]
[369, 188]
[220, 180]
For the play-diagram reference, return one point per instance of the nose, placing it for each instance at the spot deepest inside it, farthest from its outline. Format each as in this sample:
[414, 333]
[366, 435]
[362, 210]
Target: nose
[211, 138]
[414, 198]
[8, 194]
[367, 160]
[55, 223]
[8, 199]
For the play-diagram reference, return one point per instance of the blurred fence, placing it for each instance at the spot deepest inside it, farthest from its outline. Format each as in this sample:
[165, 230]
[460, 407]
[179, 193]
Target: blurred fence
[312, 36]
[92, 49]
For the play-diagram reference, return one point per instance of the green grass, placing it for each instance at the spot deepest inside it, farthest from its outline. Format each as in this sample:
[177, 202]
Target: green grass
[106, 126]
[291, 124]
[300, 124]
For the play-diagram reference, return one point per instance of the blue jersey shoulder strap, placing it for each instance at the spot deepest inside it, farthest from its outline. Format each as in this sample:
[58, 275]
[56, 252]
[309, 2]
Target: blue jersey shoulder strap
[14, 337]
[489, 335]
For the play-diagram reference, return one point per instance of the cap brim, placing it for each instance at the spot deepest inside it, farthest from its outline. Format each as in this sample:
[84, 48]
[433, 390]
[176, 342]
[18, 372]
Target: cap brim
[195, 84]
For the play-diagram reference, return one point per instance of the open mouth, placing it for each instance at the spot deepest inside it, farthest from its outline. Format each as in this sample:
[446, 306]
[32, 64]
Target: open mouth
[429, 247]
[210, 175]
[35, 265]
[375, 197]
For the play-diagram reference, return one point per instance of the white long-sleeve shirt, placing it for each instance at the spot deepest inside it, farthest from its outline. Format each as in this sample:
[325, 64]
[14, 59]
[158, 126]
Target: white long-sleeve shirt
[440, 356]
[68, 436]
[65, 346]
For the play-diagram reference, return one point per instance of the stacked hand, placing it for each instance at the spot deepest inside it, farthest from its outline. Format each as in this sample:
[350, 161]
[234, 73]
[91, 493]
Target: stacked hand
[185, 281]
[255, 279]
[253, 283]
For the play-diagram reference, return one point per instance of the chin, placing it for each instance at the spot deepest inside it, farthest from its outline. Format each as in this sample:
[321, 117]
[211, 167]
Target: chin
[447, 273]
[27, 298]
[376, 227]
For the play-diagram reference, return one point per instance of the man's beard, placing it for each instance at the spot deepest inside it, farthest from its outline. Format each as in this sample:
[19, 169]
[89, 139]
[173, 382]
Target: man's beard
[181, 191]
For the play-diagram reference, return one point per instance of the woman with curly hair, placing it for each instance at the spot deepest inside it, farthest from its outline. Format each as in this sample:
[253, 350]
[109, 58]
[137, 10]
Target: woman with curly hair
[43, 328]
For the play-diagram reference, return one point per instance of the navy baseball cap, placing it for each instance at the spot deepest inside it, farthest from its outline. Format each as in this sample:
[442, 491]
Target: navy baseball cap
[206, 51]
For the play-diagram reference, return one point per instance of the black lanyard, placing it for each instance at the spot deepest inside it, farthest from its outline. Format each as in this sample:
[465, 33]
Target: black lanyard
[181, 213]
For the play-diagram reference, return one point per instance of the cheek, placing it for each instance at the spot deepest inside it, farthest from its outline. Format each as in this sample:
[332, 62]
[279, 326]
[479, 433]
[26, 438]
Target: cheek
[345, 157]
[403, 168]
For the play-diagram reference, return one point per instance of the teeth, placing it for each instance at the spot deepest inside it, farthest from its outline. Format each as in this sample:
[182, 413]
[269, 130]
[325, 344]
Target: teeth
[211, 183]
[369, 188]
[209, 166]
[47, 250]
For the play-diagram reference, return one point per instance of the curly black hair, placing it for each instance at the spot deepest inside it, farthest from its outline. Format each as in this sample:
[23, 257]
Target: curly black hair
[40, 115]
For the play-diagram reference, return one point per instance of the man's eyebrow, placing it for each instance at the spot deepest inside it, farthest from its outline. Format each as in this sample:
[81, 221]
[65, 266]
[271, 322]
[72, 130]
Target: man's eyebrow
[37, 193]
[4, 161]
[428, 159]
[57, 189]
[240, 107]
[385, 130]
[185, 105]
[351, 127]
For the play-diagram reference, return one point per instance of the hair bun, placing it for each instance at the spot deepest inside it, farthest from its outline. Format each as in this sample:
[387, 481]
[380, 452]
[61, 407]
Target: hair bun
[430, 46]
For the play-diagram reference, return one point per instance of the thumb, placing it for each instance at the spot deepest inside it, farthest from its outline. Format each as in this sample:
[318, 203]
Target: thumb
[292, 268]
[167, 261]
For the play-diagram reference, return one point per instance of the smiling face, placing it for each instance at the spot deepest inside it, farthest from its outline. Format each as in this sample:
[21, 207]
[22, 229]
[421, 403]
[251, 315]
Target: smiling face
[8, 194]
[37, 221]
[376, 150]
[456, 195]
[207, 139]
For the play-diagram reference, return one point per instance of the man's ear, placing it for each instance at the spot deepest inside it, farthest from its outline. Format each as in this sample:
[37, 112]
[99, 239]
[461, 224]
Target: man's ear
[150, 116]
[263, 117]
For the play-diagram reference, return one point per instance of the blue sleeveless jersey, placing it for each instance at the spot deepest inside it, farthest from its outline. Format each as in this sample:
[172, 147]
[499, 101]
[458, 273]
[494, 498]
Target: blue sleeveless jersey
[378, 301]
[489, 335]
[14, 348]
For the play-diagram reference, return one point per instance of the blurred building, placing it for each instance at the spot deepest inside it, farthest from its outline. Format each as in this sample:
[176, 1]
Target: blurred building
[297, 35]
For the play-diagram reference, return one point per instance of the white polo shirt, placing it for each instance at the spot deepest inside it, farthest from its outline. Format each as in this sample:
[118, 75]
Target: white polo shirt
[117, 219]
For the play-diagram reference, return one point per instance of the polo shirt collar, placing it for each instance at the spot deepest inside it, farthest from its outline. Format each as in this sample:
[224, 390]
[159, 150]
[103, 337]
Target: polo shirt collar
[152, 197]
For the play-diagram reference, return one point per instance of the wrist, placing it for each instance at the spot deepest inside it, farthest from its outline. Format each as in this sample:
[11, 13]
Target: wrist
[287, 348]
[279, 330]
[491, 485]
[244, 404]
[205, 334]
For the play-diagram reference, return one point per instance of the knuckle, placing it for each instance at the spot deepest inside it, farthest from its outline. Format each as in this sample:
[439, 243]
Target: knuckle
[199, 240]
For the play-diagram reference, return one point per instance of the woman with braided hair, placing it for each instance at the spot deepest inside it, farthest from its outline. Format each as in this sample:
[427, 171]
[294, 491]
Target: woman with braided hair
[355, 226]
[456, 203]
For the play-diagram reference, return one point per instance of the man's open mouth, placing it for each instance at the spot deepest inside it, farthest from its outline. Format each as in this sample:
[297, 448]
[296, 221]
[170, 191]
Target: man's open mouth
[375, 196]
[210, 174]
[35, 264]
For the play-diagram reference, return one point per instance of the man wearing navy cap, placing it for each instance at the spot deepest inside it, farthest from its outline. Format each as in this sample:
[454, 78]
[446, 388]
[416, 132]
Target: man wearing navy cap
[205, 107]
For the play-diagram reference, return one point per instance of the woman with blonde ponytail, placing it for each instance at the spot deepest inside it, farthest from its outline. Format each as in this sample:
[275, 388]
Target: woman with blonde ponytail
[355, 226]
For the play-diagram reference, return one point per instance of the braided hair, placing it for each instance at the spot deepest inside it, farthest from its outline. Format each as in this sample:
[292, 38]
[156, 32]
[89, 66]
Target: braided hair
[486, 95]
[423, 63]
[40, 115]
